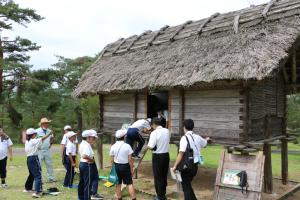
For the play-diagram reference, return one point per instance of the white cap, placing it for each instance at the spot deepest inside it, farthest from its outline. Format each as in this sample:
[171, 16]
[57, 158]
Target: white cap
[121, 133]
[89, 133]
[30, 131]
[67, 127]
[71, 133]
[149, 120]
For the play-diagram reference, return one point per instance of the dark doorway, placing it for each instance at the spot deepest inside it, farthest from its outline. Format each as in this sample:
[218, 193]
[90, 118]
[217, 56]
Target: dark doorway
[158, 101]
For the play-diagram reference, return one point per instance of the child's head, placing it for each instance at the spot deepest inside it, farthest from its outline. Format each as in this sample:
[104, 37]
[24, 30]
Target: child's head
[72, 136]
[30, 133]
[120, 134]
[90, 135]
[67, 128]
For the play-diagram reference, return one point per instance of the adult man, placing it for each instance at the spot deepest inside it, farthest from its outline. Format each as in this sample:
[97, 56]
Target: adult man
[196, 143]
[133, 134]
[159, 143]
[44, 153]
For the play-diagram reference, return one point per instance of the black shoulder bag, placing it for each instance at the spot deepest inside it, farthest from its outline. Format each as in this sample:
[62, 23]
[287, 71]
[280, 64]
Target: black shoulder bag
[243, 181]
[187, 162]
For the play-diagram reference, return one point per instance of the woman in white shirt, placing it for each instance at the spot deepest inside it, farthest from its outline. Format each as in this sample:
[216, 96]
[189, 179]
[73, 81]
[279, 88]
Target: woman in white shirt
[5, 151]
[88, 183]
[32, 146]
[120, 154]
[196, 143]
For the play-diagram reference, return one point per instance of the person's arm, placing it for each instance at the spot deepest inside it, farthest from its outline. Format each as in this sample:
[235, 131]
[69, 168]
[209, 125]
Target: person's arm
[178, 160]
[10, 152]
[46, 136]
[71, 159]
[112, 160]
[89, 159]
[62, 149]
[152, 141]
[131, 163]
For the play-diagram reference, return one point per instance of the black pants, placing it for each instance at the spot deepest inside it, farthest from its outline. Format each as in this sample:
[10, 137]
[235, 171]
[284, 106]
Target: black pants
[187, 177]
[3, 164]
[68, 182]
[132, 136]
[160, 166]
[29, 181]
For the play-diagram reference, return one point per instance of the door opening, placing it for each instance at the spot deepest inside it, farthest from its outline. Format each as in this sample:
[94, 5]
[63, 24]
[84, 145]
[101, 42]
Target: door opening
[157, 106]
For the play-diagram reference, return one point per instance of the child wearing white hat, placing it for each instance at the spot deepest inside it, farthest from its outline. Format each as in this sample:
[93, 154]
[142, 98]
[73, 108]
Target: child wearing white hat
[70, 161]
[64, 143]
[5, 152]
[121, 156]
[32, 146]
[88, 183]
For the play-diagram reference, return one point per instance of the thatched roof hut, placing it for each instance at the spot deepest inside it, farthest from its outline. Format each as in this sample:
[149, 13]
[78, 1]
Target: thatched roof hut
[250, 44]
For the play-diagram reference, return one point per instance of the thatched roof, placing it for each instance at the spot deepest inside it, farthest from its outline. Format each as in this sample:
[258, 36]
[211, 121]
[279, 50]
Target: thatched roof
[241, 45]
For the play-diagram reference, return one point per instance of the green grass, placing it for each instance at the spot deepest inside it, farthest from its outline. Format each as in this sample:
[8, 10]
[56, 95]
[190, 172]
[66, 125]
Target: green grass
[17, 173]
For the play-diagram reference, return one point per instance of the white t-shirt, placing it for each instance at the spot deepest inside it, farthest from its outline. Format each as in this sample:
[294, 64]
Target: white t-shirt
[141, 124]
[65, 140]
[85, 149]
[195, 144]
[32, 146]
[120, 150]
[70, 148]
[160, 138]
[4, 147]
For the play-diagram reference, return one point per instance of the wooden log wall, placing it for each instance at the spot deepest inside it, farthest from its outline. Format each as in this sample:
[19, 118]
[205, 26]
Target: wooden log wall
[266, 99]
[123, 108]
[216, 113]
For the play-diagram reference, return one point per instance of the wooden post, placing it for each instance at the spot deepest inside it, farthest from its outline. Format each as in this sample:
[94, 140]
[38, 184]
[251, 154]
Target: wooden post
[284, 149]
[181, 111]
[100, 140]
[268, 182]
[135, 110]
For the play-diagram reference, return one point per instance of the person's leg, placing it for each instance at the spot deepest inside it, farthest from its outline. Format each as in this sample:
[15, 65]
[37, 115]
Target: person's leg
[187, 177]
[156, 174]
[131, 191]
[129, 137]
[164, 175]
[35, 169]
[3, 170]
[84, 183]
[94, 179]
[118, 191]
[68, 166]
[81, 182]
[141, 141]
[49, 166]
[30, 179]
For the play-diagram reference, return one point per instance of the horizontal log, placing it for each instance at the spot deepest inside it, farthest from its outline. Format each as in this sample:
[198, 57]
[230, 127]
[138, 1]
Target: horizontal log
[118, 108]
[209, 117]
[213, 93]
[118, 114]
[212, 124]
[206, 101]
[208, 109]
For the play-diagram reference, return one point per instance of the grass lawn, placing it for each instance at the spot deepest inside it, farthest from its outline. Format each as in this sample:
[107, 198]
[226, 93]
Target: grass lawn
[17, 173]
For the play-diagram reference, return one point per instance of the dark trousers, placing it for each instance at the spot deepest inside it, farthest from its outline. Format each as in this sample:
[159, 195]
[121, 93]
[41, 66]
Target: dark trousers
[34, 167]
[68, 182]
[187, 177]
[160, 166]
[88, 183]
[132, 136]
[29, 181]
[3, 164]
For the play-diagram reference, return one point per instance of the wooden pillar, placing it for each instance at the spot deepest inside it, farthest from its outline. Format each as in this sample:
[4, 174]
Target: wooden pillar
[268, 179]
[181, 111]
[284, 148]
[135, 106]
[100, 139]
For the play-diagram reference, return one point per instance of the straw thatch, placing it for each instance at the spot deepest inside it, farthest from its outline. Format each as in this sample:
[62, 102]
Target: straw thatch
[241, 45]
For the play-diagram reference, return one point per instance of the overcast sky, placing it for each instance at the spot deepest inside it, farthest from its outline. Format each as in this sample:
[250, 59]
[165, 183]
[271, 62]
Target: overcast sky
[74, 28]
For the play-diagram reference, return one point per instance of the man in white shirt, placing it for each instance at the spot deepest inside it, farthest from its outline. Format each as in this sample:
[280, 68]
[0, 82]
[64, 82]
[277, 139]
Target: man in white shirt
[5, 151]
[44, 153]
[159, 144]
[196, 143]
[133, 135]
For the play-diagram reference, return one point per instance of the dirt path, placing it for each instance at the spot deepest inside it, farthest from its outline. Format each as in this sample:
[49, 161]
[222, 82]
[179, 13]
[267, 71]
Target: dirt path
[20, 151]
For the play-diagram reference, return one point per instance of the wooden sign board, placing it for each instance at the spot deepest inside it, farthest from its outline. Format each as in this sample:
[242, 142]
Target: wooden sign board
[226, 186]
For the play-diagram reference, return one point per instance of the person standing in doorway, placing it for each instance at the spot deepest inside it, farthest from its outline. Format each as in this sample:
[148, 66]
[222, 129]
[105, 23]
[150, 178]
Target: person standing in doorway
[5, 152]
[159, 144]
[133, 135]
[196, 143]
[44, 153]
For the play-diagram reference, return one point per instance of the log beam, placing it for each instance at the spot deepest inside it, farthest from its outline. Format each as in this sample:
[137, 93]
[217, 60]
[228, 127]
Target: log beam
[100, 140]
[268, 184]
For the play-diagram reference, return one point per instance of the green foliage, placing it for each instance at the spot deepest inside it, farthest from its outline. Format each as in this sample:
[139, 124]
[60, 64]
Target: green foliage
[293, 112]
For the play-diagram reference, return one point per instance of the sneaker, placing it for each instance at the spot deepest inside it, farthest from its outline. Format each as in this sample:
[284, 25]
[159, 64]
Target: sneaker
[27, 191]
[97, 196]
[4, 185]
[74, 186]
[37, 195]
